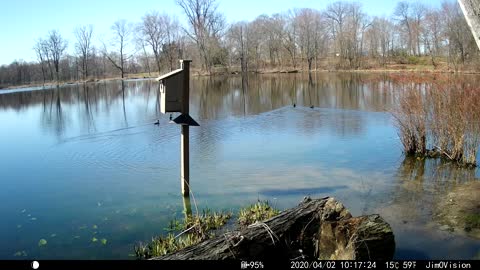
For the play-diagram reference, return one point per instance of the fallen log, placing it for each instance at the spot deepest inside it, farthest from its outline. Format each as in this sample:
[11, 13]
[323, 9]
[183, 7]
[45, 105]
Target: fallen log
[315, 229]
[359, 238]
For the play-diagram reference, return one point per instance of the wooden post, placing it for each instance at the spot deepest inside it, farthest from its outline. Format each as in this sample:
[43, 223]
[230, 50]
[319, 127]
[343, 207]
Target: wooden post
[185, 149]
[187, 206]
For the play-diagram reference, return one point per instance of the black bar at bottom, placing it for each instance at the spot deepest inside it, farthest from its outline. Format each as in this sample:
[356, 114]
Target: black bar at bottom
[241, 265]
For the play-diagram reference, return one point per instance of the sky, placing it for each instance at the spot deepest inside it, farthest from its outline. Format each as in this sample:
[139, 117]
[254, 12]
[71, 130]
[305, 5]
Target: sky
[22, 22]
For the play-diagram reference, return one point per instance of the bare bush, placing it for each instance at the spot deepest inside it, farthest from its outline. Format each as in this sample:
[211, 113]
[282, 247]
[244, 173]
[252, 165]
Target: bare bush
[441, 113]
[410, 120]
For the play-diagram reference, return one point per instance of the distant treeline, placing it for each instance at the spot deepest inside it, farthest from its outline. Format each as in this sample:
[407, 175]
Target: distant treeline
[343, 36]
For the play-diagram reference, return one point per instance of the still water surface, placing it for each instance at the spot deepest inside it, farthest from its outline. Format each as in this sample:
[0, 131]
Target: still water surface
[82, 162]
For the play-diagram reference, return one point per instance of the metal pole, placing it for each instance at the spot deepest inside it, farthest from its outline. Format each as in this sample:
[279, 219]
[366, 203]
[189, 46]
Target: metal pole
[185, 149]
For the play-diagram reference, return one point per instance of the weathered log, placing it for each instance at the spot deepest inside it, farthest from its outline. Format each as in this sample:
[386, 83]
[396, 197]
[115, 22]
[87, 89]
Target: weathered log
[360, 238]
[320, 228]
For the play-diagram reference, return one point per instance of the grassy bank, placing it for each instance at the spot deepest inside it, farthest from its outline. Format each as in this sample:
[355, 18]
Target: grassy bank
[420, 66]
[74, 82]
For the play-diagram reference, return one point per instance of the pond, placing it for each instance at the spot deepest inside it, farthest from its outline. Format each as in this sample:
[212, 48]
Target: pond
[85, 174]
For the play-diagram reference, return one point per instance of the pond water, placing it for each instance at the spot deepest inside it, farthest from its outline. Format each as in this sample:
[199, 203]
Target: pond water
[85, 161]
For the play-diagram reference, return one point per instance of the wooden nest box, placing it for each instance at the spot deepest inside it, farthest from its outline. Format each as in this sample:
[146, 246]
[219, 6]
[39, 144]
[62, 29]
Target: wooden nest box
[171, 91]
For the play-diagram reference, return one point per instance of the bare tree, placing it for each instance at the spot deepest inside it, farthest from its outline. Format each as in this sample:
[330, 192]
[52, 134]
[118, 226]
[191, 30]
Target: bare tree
[121, 31]
[56, 46]
[45, 47]
[237, 35]
[271, 29]
[311, 34]
[432, 34]
[403, 13]
[348, 24]
[295, 38]
[255, 40]
[418, 15]
[206, 25]
[172, 47]
[358, 22]
[142, 45]
[38, 48]
[290, 35]
[337, 14]
[380, 37]
[153, 29]
[83, 46]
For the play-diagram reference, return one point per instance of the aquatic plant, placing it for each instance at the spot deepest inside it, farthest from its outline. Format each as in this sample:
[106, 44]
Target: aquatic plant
[42, 242]
[197, 228]
[206, 222]
[163, 245]
[194, 229]
[472, 221]
[259, 211]
[174, 225]
[22, 253]
[477, 257]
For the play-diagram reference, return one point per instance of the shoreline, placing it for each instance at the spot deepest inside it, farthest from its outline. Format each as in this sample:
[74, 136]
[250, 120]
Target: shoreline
[198, 73]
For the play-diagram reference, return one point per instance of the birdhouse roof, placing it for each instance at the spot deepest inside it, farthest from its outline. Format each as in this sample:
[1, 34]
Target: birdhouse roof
[185, 120]
[170, 74]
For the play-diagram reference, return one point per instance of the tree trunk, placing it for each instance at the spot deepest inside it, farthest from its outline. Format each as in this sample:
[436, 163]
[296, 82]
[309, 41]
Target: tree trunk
[472, 16]
[320, 228]
[146, 59]
[43, 73]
